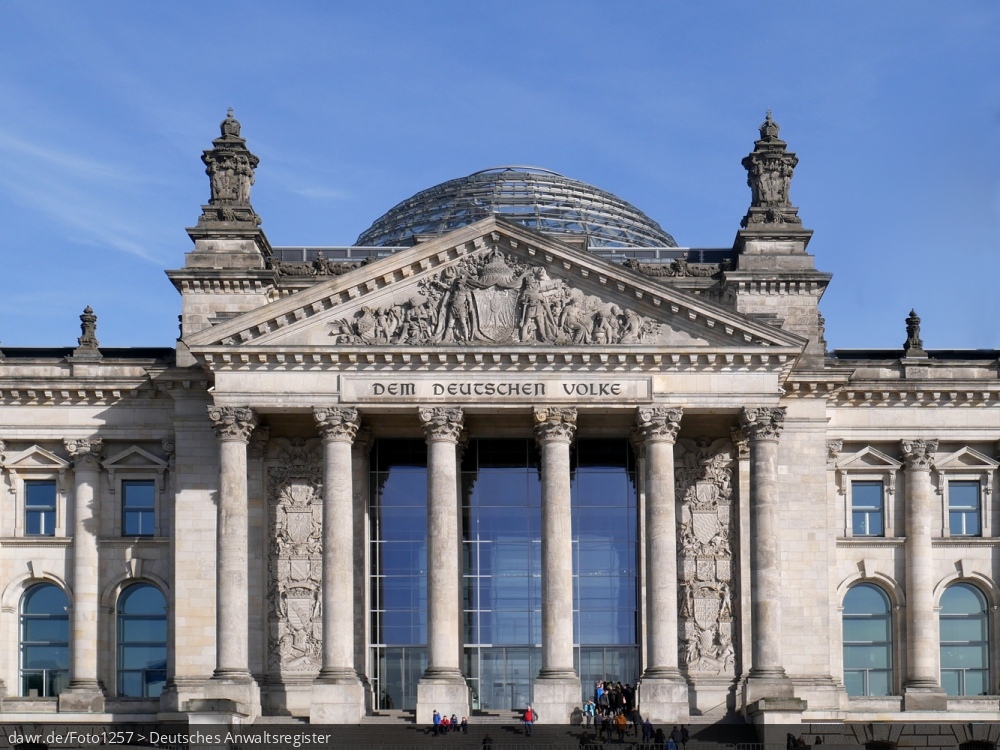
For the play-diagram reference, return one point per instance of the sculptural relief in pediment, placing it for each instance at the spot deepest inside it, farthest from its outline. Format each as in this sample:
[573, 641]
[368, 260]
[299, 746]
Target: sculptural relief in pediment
[492, 297]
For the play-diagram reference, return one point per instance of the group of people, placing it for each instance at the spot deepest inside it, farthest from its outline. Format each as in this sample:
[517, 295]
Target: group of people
[443, 725]
[613, 711]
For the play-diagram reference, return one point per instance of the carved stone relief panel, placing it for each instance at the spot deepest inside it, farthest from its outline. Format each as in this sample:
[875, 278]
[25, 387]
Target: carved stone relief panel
[491, 297]
[706, 529]
[295, 560]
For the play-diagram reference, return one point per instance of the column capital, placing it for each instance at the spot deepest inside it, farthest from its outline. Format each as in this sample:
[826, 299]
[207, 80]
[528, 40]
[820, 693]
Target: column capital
[555, 423]
[85, 452]
[762, 422]
[918, 454]
[442, 423]
[741, 444]
[659, 423]
[233, 423]
[338, 423]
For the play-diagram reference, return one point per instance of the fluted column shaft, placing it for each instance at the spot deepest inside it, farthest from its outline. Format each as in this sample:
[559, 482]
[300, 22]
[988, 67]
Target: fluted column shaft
[233, 425]
[554, 430]
[442, 428]
[338, 426]
[86, 474]
[762, 427]
[658, 427]
[921, 635]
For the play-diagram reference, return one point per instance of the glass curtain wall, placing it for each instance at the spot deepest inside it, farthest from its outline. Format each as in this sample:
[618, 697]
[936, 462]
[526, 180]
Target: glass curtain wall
[605, 563]
[501, 559]
[398, 519]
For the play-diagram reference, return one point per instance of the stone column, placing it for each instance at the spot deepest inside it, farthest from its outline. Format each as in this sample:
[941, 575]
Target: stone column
[360, 460]
[663, 690]
[337, 694]
[557, 689]
[442, 686]
[767, 685]
[232, 680]
[84, 691]
[922, 690]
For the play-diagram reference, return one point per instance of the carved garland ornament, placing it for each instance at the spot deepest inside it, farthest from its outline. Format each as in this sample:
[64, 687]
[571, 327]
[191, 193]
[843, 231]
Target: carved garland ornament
[295, 560]
[703, 483]
[492, 298]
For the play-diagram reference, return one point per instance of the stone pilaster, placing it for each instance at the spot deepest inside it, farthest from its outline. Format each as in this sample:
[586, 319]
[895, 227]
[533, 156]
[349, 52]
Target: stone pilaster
[557, 688]
[663, 690]
[232, 680]
[84, 692]
[922, 689]
[361, 466]
[337, 695]
[767, 685]
[442, 686]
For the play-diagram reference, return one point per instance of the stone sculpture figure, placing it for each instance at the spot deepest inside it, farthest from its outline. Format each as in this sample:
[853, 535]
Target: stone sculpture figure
[769, 174]
[493, 298]
[230, 168]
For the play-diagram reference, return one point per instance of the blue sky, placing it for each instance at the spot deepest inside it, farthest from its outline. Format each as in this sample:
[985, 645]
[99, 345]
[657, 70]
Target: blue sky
[893, 109]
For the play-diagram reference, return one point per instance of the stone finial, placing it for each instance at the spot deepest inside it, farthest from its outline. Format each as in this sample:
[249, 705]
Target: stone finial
[762, 422]
[913, 346]
[87, 343]
[555, 423]
[769, 174]
[918, 454]
[659, 423]
[442, 423]
[230, 168]
[233, 422]
[337, 422]
[85, 452]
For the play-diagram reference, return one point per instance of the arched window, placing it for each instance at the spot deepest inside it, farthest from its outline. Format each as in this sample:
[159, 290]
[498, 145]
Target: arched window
[867, 641]
[142, 642]
[44, 641]
[965, 648]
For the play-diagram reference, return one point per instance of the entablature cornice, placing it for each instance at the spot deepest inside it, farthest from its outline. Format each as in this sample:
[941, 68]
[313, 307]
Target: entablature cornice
[923, 393]
[223, 281]
[534, 358]
[72, 392]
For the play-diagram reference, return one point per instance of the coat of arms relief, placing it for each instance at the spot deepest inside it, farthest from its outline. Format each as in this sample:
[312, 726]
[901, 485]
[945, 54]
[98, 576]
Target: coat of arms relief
[295, 560]
[704, 490]
[490, 297]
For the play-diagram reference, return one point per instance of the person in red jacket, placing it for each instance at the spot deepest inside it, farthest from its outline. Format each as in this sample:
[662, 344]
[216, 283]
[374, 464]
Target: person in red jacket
[529, 719]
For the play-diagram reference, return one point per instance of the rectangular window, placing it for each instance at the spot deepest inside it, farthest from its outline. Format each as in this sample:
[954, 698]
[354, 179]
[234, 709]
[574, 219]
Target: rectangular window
[138, 508]
[40, 508]
[867, 509]
[963, 508]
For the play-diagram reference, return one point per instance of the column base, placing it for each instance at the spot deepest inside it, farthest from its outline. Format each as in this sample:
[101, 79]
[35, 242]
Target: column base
[240, 688]
[766, 684]
[772, 716]
[663, 698]
[443, 691]
[85, 697]
[557, 698]
[215, 712]
[337, 700]
[924, 697]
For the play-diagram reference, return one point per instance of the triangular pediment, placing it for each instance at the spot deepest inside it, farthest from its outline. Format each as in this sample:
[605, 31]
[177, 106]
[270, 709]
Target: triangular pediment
[868, 458]
[494, 283]
[35, 457]
[966, 458]
[134, 457]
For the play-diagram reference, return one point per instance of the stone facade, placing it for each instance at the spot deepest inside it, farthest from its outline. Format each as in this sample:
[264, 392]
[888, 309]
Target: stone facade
[254, 436]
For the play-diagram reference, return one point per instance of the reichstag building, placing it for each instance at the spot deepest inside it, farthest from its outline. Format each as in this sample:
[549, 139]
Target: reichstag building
[512, 441]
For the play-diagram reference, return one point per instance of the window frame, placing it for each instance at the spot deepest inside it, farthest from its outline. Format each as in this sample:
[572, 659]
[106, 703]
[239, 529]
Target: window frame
[867, 465]
[120, 521]
[980, 511]
[850, 498]
[34, 585]
[135, 464]
[891, 614]
[986, 615]
[116, 625]
[54, 508]
[967, 465]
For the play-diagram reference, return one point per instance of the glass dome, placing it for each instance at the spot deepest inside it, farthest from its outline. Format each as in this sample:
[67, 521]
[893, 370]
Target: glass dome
[533, 197]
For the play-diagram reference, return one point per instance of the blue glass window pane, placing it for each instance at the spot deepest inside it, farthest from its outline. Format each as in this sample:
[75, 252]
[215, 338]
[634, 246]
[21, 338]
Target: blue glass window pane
[155, 682]
[966, 657]
[977, 682]
[142, 599]
[45, 630]
[866, 600]
[962, 599]
[870, 630]
[854, 682]
[963, 629]
[866, 495]
[130, 684]
[142, 657]
[45, 599]
[400, 523]
[45, 657]
[878, 683]
[868, 657]
[963, 495]
[40, 523]
[40, 495]
[603, 489]
[142, 631]
[138, 495]
[951, 681]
